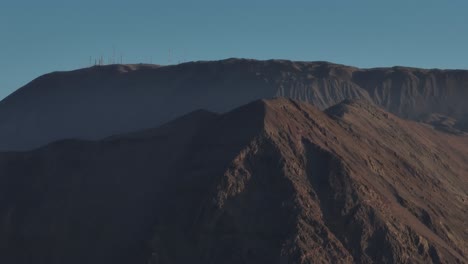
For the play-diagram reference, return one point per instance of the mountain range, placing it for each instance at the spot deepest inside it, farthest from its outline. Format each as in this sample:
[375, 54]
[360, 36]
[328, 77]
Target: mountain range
[235, 161]
[96, 102]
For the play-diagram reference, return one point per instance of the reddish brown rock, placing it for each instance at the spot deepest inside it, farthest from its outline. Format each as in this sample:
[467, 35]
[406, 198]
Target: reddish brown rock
[275, 181]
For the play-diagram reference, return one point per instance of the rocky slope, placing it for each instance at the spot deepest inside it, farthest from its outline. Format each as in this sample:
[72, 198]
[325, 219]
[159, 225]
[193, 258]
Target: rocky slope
[99, 101]
[274, 181]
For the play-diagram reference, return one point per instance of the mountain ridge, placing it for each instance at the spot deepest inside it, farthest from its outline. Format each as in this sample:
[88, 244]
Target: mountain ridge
[100, 101]
[272, 181]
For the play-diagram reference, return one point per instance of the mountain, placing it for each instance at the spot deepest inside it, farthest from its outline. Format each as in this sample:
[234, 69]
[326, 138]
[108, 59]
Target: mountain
[96, 102]
[273, 181]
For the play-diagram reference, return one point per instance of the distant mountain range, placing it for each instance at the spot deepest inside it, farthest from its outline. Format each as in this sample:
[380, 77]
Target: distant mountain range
[274, 181]
[96, 102]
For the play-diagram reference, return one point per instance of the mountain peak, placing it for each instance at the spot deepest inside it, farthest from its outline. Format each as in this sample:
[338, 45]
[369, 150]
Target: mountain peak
[276, 180]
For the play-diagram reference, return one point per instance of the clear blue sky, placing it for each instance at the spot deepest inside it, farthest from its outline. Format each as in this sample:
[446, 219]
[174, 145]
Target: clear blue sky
[37, 37]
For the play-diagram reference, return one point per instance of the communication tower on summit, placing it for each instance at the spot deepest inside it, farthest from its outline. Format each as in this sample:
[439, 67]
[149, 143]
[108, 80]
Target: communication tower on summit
[169, 60]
